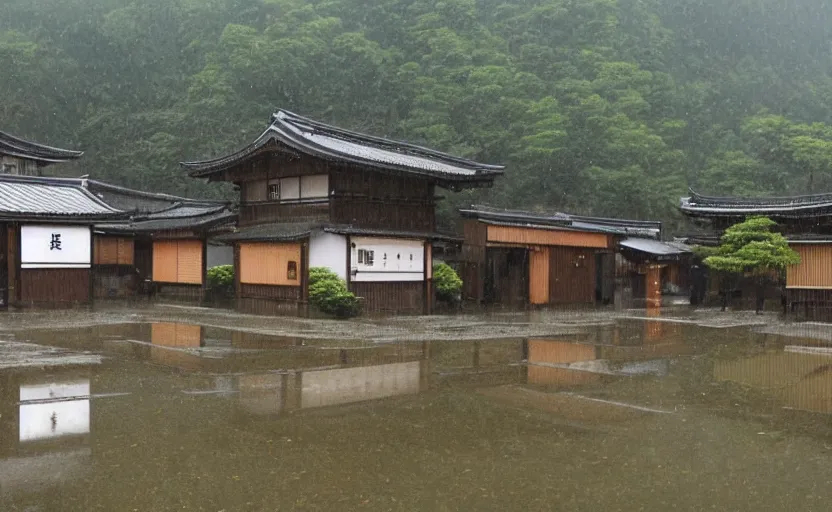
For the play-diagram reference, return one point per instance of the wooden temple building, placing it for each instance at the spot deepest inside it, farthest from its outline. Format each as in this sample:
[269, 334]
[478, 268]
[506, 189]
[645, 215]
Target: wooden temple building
[68, 241]
[806, 221]
[515, 257]
[313, 195]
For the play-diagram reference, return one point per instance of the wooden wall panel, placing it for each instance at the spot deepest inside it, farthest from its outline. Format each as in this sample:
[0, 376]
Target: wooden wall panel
[653, 285]
[189, 262]
[391, 297]
[571, 275]
[560, 352]
[263, 299]
[54, 285]
[268, 263]
[178, 261]
[529, 236]
[109, 250]
[384, 201]
[165, 259]
[258, 213]
[815, 268]
[14, 261]
[539, 275]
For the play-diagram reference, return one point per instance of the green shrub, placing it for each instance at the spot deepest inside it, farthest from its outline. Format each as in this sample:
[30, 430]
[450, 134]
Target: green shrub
[221, 279]
[329, 293]
[446, 282]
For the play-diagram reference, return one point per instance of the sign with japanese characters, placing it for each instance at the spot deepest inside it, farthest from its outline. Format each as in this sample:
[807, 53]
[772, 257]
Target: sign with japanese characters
[55, 246]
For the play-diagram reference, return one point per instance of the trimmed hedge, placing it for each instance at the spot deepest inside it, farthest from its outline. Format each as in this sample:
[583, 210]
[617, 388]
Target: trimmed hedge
[329, 293]
[446, 282]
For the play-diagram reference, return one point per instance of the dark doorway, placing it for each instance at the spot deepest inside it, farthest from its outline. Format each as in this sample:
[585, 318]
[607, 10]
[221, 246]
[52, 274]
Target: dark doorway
[604, 278]
[507, 276]
[4, 267]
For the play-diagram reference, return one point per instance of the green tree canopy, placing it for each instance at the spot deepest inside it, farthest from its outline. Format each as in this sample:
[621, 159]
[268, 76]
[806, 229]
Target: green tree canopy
[605, 107]
[752, 247]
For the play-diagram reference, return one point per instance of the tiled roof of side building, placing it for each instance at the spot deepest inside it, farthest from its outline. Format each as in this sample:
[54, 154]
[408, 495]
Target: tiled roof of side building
[292, 231]
[558, 220]
[202, 223]
[17, 147]
[328, 142]
[22, 197]
[792, 206]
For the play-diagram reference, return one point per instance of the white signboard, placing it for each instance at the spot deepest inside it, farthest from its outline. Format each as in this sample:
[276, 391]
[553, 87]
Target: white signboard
[55, 246]
[387, 259]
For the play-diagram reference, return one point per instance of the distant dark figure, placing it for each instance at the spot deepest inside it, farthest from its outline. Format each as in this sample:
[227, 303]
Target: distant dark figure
[698, 285]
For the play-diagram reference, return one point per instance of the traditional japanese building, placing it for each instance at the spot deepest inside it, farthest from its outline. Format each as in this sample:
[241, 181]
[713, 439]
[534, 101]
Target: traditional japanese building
[23, 158]
[46, 242]
[514, 257]
[168, 240]
[313, 195]
[806, 221]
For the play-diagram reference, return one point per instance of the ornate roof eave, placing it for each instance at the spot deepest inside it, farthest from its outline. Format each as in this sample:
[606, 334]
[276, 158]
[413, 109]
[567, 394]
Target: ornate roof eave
[287, 129]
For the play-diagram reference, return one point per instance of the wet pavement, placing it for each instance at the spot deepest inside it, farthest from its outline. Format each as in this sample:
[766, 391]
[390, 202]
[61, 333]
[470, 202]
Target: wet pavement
[683, 411]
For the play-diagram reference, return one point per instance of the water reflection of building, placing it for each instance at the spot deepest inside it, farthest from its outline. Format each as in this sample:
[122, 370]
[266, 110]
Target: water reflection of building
[169, 340]
[797, 377]
[45, 428]
[274, 393]
[621, 349]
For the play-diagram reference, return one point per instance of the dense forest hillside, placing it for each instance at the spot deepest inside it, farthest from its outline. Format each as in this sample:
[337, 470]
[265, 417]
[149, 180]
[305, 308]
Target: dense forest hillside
[606, 107]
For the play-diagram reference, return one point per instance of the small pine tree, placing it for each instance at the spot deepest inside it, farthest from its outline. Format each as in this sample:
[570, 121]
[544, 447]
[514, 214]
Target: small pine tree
[752, 248]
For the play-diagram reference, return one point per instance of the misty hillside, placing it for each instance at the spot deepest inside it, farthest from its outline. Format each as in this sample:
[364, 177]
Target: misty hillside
[608, 107]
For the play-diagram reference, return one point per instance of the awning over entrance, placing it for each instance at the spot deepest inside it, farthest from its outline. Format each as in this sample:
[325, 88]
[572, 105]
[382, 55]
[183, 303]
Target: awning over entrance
[656, 247]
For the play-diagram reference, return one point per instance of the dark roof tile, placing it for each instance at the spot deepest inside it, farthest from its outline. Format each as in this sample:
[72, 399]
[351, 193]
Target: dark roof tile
[328, 142]
[14, 146]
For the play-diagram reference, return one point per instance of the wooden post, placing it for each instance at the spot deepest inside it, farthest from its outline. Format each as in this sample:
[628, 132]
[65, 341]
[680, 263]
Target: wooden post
[204, 269]
[238, 287]
[349, 263]
[303, 305]
[91, 298]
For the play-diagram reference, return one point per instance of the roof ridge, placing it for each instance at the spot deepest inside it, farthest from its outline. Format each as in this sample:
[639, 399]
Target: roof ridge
[24, 145]
[397, 145]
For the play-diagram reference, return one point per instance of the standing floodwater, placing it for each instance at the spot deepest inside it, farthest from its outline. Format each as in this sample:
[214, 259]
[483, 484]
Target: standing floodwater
[611, 415]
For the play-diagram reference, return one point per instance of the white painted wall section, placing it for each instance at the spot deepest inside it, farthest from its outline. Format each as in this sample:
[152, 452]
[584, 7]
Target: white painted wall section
[55, 246]
[330, 251]
[387, 259]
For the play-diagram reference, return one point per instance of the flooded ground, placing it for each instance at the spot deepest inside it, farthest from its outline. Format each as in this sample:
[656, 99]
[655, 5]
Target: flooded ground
[537, 411]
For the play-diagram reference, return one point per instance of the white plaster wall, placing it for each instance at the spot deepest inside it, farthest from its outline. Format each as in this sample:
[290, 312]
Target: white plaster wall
[393, 260]
[330, 251]
[347, 385]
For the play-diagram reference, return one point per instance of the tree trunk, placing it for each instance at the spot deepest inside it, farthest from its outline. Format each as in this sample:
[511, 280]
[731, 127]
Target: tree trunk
[761, 296]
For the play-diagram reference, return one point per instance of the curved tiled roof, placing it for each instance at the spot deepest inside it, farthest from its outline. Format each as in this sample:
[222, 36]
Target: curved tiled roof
[33, 197]
[328, 142]
[14, 146]
[793, 206]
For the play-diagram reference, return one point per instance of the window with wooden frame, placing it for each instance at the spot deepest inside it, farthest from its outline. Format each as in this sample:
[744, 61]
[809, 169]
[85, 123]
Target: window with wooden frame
[366, 257]
[292, 271]
[274, 190]
[299, 188]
